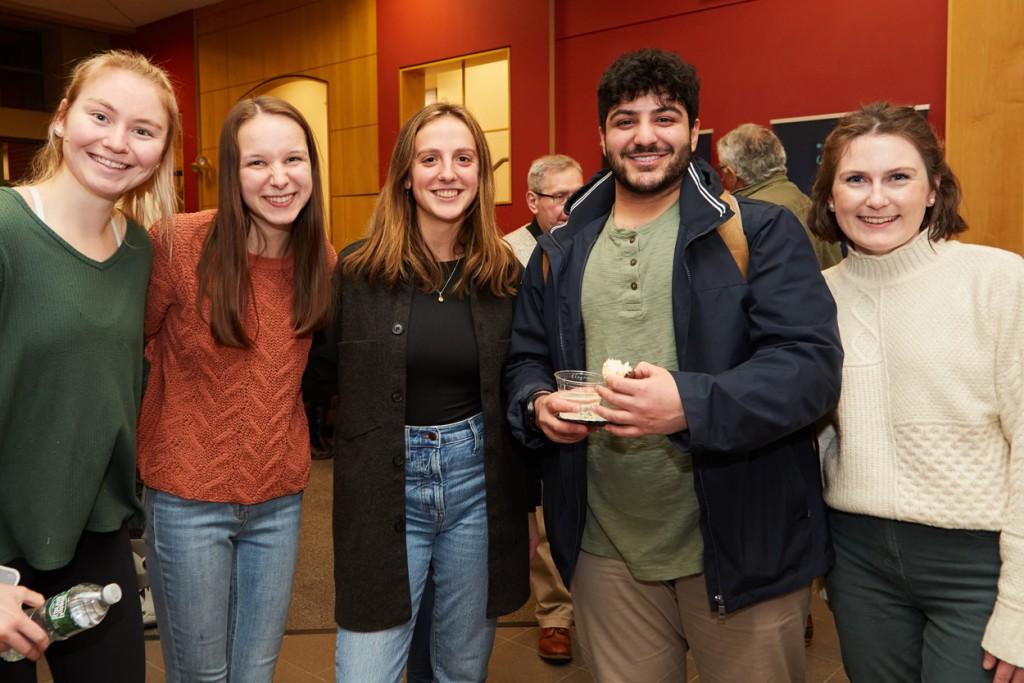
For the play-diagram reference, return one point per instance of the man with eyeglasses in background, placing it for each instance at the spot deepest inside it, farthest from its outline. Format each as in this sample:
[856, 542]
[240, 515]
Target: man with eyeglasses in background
[551, 181]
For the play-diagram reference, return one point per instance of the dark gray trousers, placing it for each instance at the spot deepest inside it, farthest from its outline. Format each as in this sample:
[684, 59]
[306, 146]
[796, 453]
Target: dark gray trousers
[911, 601]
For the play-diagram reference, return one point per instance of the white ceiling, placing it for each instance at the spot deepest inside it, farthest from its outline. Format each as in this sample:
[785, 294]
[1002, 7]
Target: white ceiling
[111, 15]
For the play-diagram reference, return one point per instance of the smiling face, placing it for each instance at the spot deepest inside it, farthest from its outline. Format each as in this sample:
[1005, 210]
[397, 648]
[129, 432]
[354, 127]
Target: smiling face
[445, 173]
[648, 143]
[114, 134]
[880, 193]
[275, 171]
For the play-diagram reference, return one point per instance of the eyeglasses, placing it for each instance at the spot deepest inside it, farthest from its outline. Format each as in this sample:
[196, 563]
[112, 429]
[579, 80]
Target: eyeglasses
[559, 198]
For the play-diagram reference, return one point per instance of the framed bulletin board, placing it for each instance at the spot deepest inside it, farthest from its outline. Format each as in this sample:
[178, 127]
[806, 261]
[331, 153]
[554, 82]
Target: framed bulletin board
[803, 137]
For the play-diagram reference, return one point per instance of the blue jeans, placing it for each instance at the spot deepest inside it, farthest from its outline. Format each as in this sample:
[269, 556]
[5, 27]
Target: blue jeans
[445, 524]
[419, 668]
[222, 580]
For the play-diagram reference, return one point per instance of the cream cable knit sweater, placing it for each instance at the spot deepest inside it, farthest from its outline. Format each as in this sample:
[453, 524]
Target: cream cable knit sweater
[931, 417]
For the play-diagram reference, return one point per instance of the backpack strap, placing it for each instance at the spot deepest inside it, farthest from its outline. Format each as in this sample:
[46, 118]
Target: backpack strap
[731, 232]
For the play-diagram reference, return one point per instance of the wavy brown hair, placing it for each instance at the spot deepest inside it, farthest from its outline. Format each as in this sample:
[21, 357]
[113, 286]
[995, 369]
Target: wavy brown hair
[943, 220]
[154, 201]
[395, 251]
[224, 262]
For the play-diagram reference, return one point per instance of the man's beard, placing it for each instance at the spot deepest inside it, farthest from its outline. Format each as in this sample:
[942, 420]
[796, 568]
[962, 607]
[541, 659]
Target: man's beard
[650, 183]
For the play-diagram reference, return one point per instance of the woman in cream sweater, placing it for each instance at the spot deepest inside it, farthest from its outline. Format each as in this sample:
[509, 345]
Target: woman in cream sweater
[925, 487]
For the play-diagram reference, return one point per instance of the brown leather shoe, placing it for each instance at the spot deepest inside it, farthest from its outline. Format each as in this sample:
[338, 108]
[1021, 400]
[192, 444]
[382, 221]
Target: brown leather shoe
[555, 645]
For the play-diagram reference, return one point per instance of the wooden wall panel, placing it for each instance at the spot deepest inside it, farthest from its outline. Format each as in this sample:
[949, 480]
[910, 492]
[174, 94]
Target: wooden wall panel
[984, 110]
[246, 47]
[356, 23]
[213, 107]
[230, 13]
[351, 218]
[314, 45]
[354, 160]
[212, 61]
[244, 43]
[354, 93]
[284, 56]
[208, 179]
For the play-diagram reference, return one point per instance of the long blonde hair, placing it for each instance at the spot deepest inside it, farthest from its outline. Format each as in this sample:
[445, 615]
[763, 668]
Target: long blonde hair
[154, 201]
[395, 251]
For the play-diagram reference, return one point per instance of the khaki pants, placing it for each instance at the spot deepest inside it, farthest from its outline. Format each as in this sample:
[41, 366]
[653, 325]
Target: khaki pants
[639, 632]
[554, 604]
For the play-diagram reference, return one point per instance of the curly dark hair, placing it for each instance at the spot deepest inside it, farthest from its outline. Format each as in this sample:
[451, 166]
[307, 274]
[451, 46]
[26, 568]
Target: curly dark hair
[648, 71]
[943, 220]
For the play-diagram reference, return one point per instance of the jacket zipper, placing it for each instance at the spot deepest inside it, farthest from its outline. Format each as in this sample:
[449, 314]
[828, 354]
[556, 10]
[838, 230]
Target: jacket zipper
[561, 345]
[561, 334]
[561, 342]
[719, 598]
[579, 510]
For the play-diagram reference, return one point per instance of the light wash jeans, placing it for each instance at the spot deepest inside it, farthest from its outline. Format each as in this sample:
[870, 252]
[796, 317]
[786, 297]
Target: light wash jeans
[222, 580]
[445, 523]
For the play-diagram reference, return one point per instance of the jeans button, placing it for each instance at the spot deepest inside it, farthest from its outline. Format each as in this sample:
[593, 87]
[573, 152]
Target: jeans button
[396, 396]
[398, 460]
[431, 435]
[397, 328]
[399, 525]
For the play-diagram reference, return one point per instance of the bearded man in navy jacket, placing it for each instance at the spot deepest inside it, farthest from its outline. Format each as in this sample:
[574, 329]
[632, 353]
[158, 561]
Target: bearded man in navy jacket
[693, 518]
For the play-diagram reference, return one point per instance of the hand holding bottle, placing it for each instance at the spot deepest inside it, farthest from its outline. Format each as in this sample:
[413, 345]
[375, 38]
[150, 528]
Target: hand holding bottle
[17, 631]
[69, 613]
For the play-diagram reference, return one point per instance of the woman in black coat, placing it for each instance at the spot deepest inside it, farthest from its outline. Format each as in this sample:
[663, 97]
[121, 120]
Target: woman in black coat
[426, 473]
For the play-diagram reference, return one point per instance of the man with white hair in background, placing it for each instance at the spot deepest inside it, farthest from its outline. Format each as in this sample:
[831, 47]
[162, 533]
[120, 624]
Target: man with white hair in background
[551, 181]
[753, 164]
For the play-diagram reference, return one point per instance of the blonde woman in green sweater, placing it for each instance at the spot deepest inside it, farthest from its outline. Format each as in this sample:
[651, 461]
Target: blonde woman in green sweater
[926, 484]
[74, 266]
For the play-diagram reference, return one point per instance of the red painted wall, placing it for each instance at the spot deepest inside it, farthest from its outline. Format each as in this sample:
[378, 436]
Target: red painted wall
[170, 43]
[757, 59]
[410, 33]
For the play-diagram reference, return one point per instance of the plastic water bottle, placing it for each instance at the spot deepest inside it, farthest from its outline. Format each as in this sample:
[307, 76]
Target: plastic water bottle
[69, 613]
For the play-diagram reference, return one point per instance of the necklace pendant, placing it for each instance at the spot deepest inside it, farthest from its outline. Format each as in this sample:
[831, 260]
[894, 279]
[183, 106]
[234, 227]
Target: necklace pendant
[440, 298]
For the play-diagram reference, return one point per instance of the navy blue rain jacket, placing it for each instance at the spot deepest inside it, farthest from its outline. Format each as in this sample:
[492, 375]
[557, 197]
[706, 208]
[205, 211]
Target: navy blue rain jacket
[759, 361]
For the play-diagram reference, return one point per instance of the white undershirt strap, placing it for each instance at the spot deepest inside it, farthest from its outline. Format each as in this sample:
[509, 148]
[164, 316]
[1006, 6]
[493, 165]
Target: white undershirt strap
[37, 206]
[37, 202]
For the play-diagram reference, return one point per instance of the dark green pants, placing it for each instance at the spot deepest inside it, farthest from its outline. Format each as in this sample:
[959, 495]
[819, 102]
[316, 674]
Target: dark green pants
[911, 601]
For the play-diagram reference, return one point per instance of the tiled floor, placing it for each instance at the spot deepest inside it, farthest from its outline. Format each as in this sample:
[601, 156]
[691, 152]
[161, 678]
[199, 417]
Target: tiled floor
[309, 658]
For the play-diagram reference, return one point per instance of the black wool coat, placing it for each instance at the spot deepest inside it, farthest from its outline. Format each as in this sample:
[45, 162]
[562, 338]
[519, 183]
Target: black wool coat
[361, 356]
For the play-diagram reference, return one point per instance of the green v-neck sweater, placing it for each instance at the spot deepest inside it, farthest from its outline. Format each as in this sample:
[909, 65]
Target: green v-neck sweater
[70, 385]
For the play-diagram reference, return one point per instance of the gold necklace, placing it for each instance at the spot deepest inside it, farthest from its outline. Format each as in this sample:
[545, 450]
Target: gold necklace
[440, 292]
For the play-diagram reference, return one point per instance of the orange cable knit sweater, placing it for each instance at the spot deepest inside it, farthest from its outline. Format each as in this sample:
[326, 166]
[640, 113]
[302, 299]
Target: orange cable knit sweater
[218, 423]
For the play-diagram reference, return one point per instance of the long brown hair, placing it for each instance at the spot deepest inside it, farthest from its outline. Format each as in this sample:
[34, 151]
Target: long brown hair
[395, 251]
[943, 220]
[154, 201]
[224, 261]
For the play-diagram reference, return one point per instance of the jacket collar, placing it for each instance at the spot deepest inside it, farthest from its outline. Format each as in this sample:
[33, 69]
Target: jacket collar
[753, 188]
[534, 227]
[701, 209]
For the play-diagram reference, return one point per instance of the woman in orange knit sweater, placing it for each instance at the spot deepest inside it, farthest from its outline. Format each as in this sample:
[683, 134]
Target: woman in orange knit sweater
[223, 443]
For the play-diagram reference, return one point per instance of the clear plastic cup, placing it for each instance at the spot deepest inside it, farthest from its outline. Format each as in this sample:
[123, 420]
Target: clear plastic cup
[580, 387]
